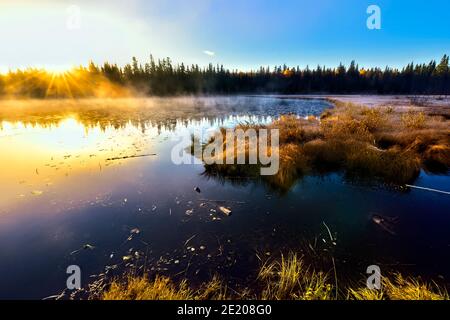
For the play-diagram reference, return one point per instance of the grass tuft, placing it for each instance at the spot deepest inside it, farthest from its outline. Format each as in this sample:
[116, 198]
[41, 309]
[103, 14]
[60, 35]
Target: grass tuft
[161, 288]
[140, 288]
[290, 279]
[413, 120]
[381, 143]
[398, 287]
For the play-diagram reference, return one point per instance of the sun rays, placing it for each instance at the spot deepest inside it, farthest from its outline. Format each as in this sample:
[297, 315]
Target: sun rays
[59, 81]
[76, 82]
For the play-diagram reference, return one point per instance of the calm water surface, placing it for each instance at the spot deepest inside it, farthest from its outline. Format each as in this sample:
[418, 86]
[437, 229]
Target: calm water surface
[60, 192]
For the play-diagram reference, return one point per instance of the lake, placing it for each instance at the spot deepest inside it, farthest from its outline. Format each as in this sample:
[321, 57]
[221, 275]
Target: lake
[67, 182]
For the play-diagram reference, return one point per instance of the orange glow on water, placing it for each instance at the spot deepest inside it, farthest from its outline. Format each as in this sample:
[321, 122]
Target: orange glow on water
[37, 161]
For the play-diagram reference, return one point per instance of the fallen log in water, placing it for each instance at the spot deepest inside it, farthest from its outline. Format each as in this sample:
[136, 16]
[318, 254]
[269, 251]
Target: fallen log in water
[427, 189]
[216, 200]
[132, 156]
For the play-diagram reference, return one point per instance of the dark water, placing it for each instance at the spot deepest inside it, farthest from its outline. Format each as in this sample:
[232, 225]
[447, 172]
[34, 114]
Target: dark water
[59, 192]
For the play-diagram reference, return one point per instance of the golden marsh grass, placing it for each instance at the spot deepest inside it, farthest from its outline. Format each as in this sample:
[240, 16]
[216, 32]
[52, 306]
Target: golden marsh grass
[287, 278]
[376, 143]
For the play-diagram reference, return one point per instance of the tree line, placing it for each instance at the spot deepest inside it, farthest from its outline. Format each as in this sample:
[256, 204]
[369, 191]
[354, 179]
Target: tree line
[163, 77]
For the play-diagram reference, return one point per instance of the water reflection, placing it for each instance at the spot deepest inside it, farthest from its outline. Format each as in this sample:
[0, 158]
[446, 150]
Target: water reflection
[164, 112]
[59, 192]
[45, 143]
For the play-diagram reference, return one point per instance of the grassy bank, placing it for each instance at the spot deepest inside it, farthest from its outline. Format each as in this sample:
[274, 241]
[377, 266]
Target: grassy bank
[288, 278]
[366, 143]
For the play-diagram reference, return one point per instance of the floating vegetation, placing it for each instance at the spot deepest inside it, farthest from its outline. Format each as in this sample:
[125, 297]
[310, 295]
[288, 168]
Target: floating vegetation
[127, 257]
[135, 231]
[386, 223]
[86, 246]
[225, 211]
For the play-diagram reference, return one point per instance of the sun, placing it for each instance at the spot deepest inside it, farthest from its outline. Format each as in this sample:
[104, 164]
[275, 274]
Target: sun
[57, 70]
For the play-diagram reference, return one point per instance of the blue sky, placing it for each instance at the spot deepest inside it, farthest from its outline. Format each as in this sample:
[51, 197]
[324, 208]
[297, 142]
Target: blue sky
[238, 33]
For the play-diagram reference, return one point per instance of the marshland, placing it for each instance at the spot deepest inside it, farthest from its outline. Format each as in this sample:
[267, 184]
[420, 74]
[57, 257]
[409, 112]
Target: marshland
[200, 150]
[90, 182]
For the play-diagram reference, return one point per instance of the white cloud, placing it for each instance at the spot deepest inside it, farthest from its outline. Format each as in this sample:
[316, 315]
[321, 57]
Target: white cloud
[209, 53]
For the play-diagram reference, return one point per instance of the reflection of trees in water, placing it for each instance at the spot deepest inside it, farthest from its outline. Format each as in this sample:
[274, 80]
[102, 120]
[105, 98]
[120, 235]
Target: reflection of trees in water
[104, 122]
[283, 183]
[279, 185]
[164, 113]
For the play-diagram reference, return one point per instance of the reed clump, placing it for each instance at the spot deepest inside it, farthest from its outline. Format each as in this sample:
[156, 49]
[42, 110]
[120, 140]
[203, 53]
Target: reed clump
[413, 120]
[398, 287]
[381, 143]
[291, 279]
[132, 287]
[140, 288]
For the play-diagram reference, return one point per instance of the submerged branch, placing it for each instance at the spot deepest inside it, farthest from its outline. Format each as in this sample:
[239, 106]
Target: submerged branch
[132, 156]
[427, 189]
